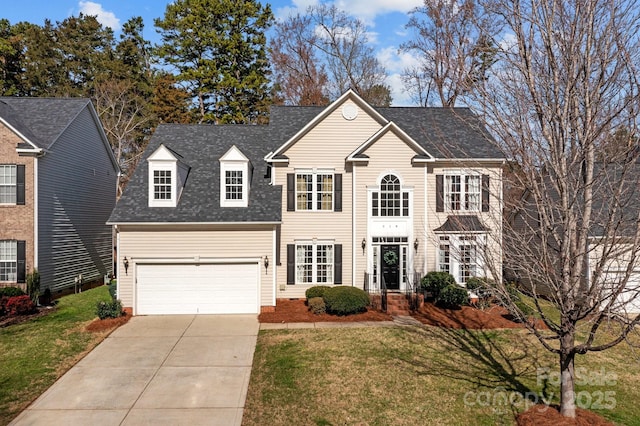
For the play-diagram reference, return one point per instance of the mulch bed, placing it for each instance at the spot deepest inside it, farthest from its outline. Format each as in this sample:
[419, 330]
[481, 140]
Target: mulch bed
[41, 311]
[99, 325]
[543, 415]
[468, 318]
[297, 311]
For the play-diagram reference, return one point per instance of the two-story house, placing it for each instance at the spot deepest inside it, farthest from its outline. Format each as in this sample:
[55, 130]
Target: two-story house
[227, 219]
[57, 188]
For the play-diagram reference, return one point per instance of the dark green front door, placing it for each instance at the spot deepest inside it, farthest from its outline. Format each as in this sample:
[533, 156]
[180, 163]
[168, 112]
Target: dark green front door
[390, 265]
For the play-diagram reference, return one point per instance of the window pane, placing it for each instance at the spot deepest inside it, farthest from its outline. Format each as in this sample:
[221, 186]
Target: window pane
[7, 184]
[304, 263]
[453, 192]
[233, 185]
[161, 184]
[8, 260]
[374, 204]
[324, 192]
[304, 191]
[390, 196]
[472, 193]
[324, 266]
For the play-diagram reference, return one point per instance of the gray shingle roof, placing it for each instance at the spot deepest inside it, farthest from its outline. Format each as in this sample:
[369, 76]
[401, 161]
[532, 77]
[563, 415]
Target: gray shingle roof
[201, 146]
[41, 120]
[444, 133]
[462, 223]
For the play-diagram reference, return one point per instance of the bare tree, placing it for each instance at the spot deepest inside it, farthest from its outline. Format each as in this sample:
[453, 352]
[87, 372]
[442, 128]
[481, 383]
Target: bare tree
[453, 41]
[565, 83]
[339, 46]
[124, 117]
[300, 77]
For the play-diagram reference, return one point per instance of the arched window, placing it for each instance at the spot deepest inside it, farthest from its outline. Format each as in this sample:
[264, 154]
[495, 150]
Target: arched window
[390, 200]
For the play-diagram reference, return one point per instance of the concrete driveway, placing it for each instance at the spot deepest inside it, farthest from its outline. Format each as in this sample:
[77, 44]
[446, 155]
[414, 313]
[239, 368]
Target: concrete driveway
[157, 370]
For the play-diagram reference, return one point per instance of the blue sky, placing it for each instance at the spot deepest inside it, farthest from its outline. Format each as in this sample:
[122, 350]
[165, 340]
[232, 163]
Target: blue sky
[385, 19]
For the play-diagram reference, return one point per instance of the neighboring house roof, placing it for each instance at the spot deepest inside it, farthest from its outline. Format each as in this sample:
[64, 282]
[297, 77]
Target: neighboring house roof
[201, 146]
[462, 224]
[41, 120]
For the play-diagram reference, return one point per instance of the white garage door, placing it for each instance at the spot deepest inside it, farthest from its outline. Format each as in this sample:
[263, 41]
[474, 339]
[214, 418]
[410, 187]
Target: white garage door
[628, 302]
[197, 289]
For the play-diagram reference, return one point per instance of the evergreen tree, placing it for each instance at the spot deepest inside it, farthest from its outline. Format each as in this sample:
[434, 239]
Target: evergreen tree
[218, 51]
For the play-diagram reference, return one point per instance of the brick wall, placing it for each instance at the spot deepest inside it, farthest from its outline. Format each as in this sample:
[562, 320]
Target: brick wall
[17, 222]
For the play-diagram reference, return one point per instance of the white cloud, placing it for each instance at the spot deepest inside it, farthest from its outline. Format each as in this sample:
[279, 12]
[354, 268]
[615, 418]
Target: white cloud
[395, 63]
[106, 18]
[368, 10]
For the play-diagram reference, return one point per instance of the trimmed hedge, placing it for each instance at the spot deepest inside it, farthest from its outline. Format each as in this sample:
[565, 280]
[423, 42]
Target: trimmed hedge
[452, 296]
[11, 291]
[316, 291]
[317, 305]
[435, 281]
[110, 309]
[345, 300]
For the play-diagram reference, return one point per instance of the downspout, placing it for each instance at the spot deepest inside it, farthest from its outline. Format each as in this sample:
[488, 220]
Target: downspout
[36, 216]
[353, 225]
[275, 265]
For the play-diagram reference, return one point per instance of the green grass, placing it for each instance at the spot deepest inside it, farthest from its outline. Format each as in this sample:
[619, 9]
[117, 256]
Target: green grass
[409, 376]
[35, 353]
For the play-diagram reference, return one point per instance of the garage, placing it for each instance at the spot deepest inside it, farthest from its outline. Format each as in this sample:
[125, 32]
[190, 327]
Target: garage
[217, 288]
[628, 302]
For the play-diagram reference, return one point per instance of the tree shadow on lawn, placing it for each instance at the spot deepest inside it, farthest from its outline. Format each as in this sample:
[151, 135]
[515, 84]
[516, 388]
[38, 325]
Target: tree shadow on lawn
[501, 361]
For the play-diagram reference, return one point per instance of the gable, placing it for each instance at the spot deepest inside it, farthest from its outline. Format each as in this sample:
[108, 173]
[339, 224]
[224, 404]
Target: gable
[391, 134]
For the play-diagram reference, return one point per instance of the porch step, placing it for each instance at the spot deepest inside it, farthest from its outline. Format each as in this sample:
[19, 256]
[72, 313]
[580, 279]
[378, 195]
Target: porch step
[397, 304]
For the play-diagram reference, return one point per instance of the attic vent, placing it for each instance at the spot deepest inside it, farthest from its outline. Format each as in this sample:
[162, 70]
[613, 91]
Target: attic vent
[349, 112]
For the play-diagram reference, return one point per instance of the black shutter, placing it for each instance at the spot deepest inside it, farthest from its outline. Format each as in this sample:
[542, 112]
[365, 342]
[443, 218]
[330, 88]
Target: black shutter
[22, 254]
[439, 193]
[291, 263]
[20, 184]
[485, 193]
[291, 192]
[337, 192]
[337, 264]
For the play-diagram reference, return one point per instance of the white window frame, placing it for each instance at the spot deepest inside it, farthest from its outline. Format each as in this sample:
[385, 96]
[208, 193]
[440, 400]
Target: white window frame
[469, 201]
[452, 246]
[9, 183]
[229, 166]
[315, 191]
[406, 194]
[8, 260]
[312, 269]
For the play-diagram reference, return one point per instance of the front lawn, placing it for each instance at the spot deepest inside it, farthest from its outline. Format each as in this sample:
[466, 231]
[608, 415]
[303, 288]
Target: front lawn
[422, 375]
[35, 353]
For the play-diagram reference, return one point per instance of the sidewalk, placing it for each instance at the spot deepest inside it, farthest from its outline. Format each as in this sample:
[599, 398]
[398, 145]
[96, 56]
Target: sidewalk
[397, 320]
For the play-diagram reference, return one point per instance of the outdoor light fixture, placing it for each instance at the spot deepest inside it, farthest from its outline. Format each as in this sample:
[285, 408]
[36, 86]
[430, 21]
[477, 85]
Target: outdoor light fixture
[363, 244]
[415, 244]
[125, 262]
[266, 263]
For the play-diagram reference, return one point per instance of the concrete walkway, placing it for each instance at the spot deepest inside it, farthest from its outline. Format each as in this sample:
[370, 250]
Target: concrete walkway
[157, 370]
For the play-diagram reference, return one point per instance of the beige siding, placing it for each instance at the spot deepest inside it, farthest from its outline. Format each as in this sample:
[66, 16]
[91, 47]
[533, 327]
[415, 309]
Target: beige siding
[326, 146]
[137, 243]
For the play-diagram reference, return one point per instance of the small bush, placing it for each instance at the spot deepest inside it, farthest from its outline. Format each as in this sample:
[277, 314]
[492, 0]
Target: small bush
[317, 306]
[33, 285]
[113, 287]
[110, 309]
[344, 300]
[435, 281]
[19, 305]
[11, 291]
[452, 296]
[316, 291]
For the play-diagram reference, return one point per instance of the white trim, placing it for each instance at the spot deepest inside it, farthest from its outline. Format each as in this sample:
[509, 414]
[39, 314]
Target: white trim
[315, 172]
[274, 268]
[118, 263]
[20, 135]
[349, 94]
[36, 206]
[193, 260]
[353, 225]
[390, 126]
[314, 243]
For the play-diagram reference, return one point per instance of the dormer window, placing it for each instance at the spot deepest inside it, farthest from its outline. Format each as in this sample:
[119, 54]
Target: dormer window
[167, 176]
[234, 179]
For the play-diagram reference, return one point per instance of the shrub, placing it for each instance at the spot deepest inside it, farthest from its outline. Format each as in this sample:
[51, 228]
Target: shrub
[113, 287]
[3, 305]
[475, 283]
[452, 296]
[19, 305]
[33, 285]
[317, 306]
[435, 281]
[344, 300]
[11, 291]
[110, 309]
[316, 291]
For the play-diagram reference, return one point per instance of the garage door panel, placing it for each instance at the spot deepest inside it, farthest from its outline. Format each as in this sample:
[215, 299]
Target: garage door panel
[197, 289]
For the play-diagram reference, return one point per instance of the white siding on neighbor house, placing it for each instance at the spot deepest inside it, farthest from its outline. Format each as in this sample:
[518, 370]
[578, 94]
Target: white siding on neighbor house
[614, 272]
[76, 193]
[326, 146]
[189, 244]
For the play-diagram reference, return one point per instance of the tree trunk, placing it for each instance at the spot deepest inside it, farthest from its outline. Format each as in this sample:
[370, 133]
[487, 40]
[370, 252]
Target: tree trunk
[567, 393]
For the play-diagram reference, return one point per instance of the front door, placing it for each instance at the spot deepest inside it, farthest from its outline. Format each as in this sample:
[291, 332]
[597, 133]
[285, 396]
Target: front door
[390, 265]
